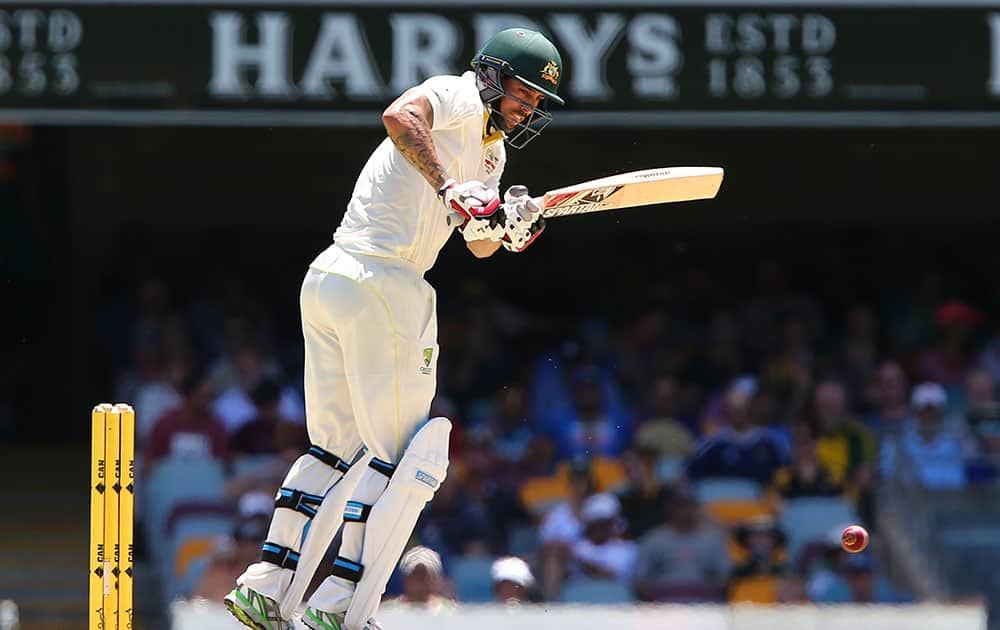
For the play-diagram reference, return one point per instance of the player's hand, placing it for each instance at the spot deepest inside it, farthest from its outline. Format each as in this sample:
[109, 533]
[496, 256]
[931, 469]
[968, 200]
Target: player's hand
[523, 220]
[488, 229]
[472, 199]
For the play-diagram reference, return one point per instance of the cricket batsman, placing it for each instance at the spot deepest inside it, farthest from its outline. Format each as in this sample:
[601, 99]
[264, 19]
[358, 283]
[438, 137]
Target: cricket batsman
[370, 328]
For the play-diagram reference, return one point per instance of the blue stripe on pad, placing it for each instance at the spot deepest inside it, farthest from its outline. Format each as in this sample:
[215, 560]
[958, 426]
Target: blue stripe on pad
[347, 564]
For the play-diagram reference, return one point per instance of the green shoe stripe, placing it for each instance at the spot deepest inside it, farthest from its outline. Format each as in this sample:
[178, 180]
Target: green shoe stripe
[324, 619]
[257, 603]
[240, 596]
[242, 616]
[261, 607]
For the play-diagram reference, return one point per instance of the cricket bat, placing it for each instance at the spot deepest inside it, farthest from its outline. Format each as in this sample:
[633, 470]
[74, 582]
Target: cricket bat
[638, 188]
[627, 190]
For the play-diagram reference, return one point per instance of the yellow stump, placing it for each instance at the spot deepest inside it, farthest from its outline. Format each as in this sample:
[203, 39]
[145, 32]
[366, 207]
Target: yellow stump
[126, 511]
[111, 516]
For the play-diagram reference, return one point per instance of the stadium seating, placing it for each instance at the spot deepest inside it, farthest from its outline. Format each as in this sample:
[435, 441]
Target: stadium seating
[593, 591]
[734, 511]
[250, 463]
[540, 494]
[178, 480]
[523, 540]
[725, 488]
[669, 468]
[471, 576]
[809, 519]
[191, 534]
[759, 589]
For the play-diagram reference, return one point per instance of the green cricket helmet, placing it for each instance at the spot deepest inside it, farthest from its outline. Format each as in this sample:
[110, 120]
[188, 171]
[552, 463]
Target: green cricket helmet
[531, 59]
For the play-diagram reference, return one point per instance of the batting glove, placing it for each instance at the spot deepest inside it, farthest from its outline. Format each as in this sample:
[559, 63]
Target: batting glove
[523, 220]
[472, 199]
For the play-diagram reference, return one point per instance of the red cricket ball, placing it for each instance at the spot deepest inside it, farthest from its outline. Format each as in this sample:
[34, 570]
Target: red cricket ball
[854, 539]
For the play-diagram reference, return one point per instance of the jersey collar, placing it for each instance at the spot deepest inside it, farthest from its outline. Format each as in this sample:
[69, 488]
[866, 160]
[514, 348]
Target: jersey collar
[488, 136]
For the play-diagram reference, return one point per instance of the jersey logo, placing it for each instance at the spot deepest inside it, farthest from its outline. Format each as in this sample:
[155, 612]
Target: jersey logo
[551, 73]
[428, 355]
[490, 161]
[427, 479]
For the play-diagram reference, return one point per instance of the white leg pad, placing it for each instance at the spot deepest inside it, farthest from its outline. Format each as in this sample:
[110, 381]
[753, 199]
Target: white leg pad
[418, 475]
[335, 593]
[324, 525]
[308, 475]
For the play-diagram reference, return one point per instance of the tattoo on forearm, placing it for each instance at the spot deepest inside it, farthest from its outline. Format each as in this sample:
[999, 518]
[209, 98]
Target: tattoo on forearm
[415, 143]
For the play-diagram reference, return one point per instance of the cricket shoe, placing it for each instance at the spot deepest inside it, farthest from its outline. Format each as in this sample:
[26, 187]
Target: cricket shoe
[256, 611]
[316, 619]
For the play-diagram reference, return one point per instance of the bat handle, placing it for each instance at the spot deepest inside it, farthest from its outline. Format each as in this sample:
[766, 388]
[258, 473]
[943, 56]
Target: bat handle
[539, 202]
[455, 219]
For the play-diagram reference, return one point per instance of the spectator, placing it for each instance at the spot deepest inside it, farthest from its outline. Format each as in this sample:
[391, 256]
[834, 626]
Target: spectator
[454, 521]
[562, 526]
[852, 578]
[562, 522]
[143, 319]
[660, 430]
[190, 430]
[715, 414]
[844, 445]
[683, 560]
[592, 425]
[773, 303]
[913, 323]
[481, 357]
[521, 451]
[710, 368]
[757, 577]
[982, 420]
[512, 580]
[509, 424]
[162, 395]
[423, 581]
[806, 476]
[787, 375]
[890, 397]
[738, 449]
[235, 406]
[225, 335]
[268, 432]
[768, 412]
[152, 384]
[927, 453]
[601, 552]
[980, 396]
[233, 553]
[860, 575]
[645, 497]
[859, 356]
[989, 356]
[484, 492]
[948, 360]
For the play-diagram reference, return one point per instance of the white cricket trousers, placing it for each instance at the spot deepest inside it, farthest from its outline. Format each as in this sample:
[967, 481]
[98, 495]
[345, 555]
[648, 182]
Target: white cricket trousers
[370, 329]
[371, 352]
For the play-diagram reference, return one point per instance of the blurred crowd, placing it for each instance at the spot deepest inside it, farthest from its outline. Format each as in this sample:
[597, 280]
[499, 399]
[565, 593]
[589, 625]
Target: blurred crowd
[692, 448]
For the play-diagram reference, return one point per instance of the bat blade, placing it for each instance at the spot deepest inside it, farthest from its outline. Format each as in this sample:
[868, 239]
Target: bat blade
[638, 188]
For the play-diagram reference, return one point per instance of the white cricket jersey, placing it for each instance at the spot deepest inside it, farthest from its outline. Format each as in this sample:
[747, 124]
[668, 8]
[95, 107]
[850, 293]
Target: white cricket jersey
[393, 211]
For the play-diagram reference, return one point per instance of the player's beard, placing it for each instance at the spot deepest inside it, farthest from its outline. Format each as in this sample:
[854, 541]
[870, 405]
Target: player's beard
[519, 132]
[506, 122]
[509, 125]
[499, 122]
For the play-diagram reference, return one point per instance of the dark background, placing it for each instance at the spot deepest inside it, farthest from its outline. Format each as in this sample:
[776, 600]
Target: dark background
[95, 207]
